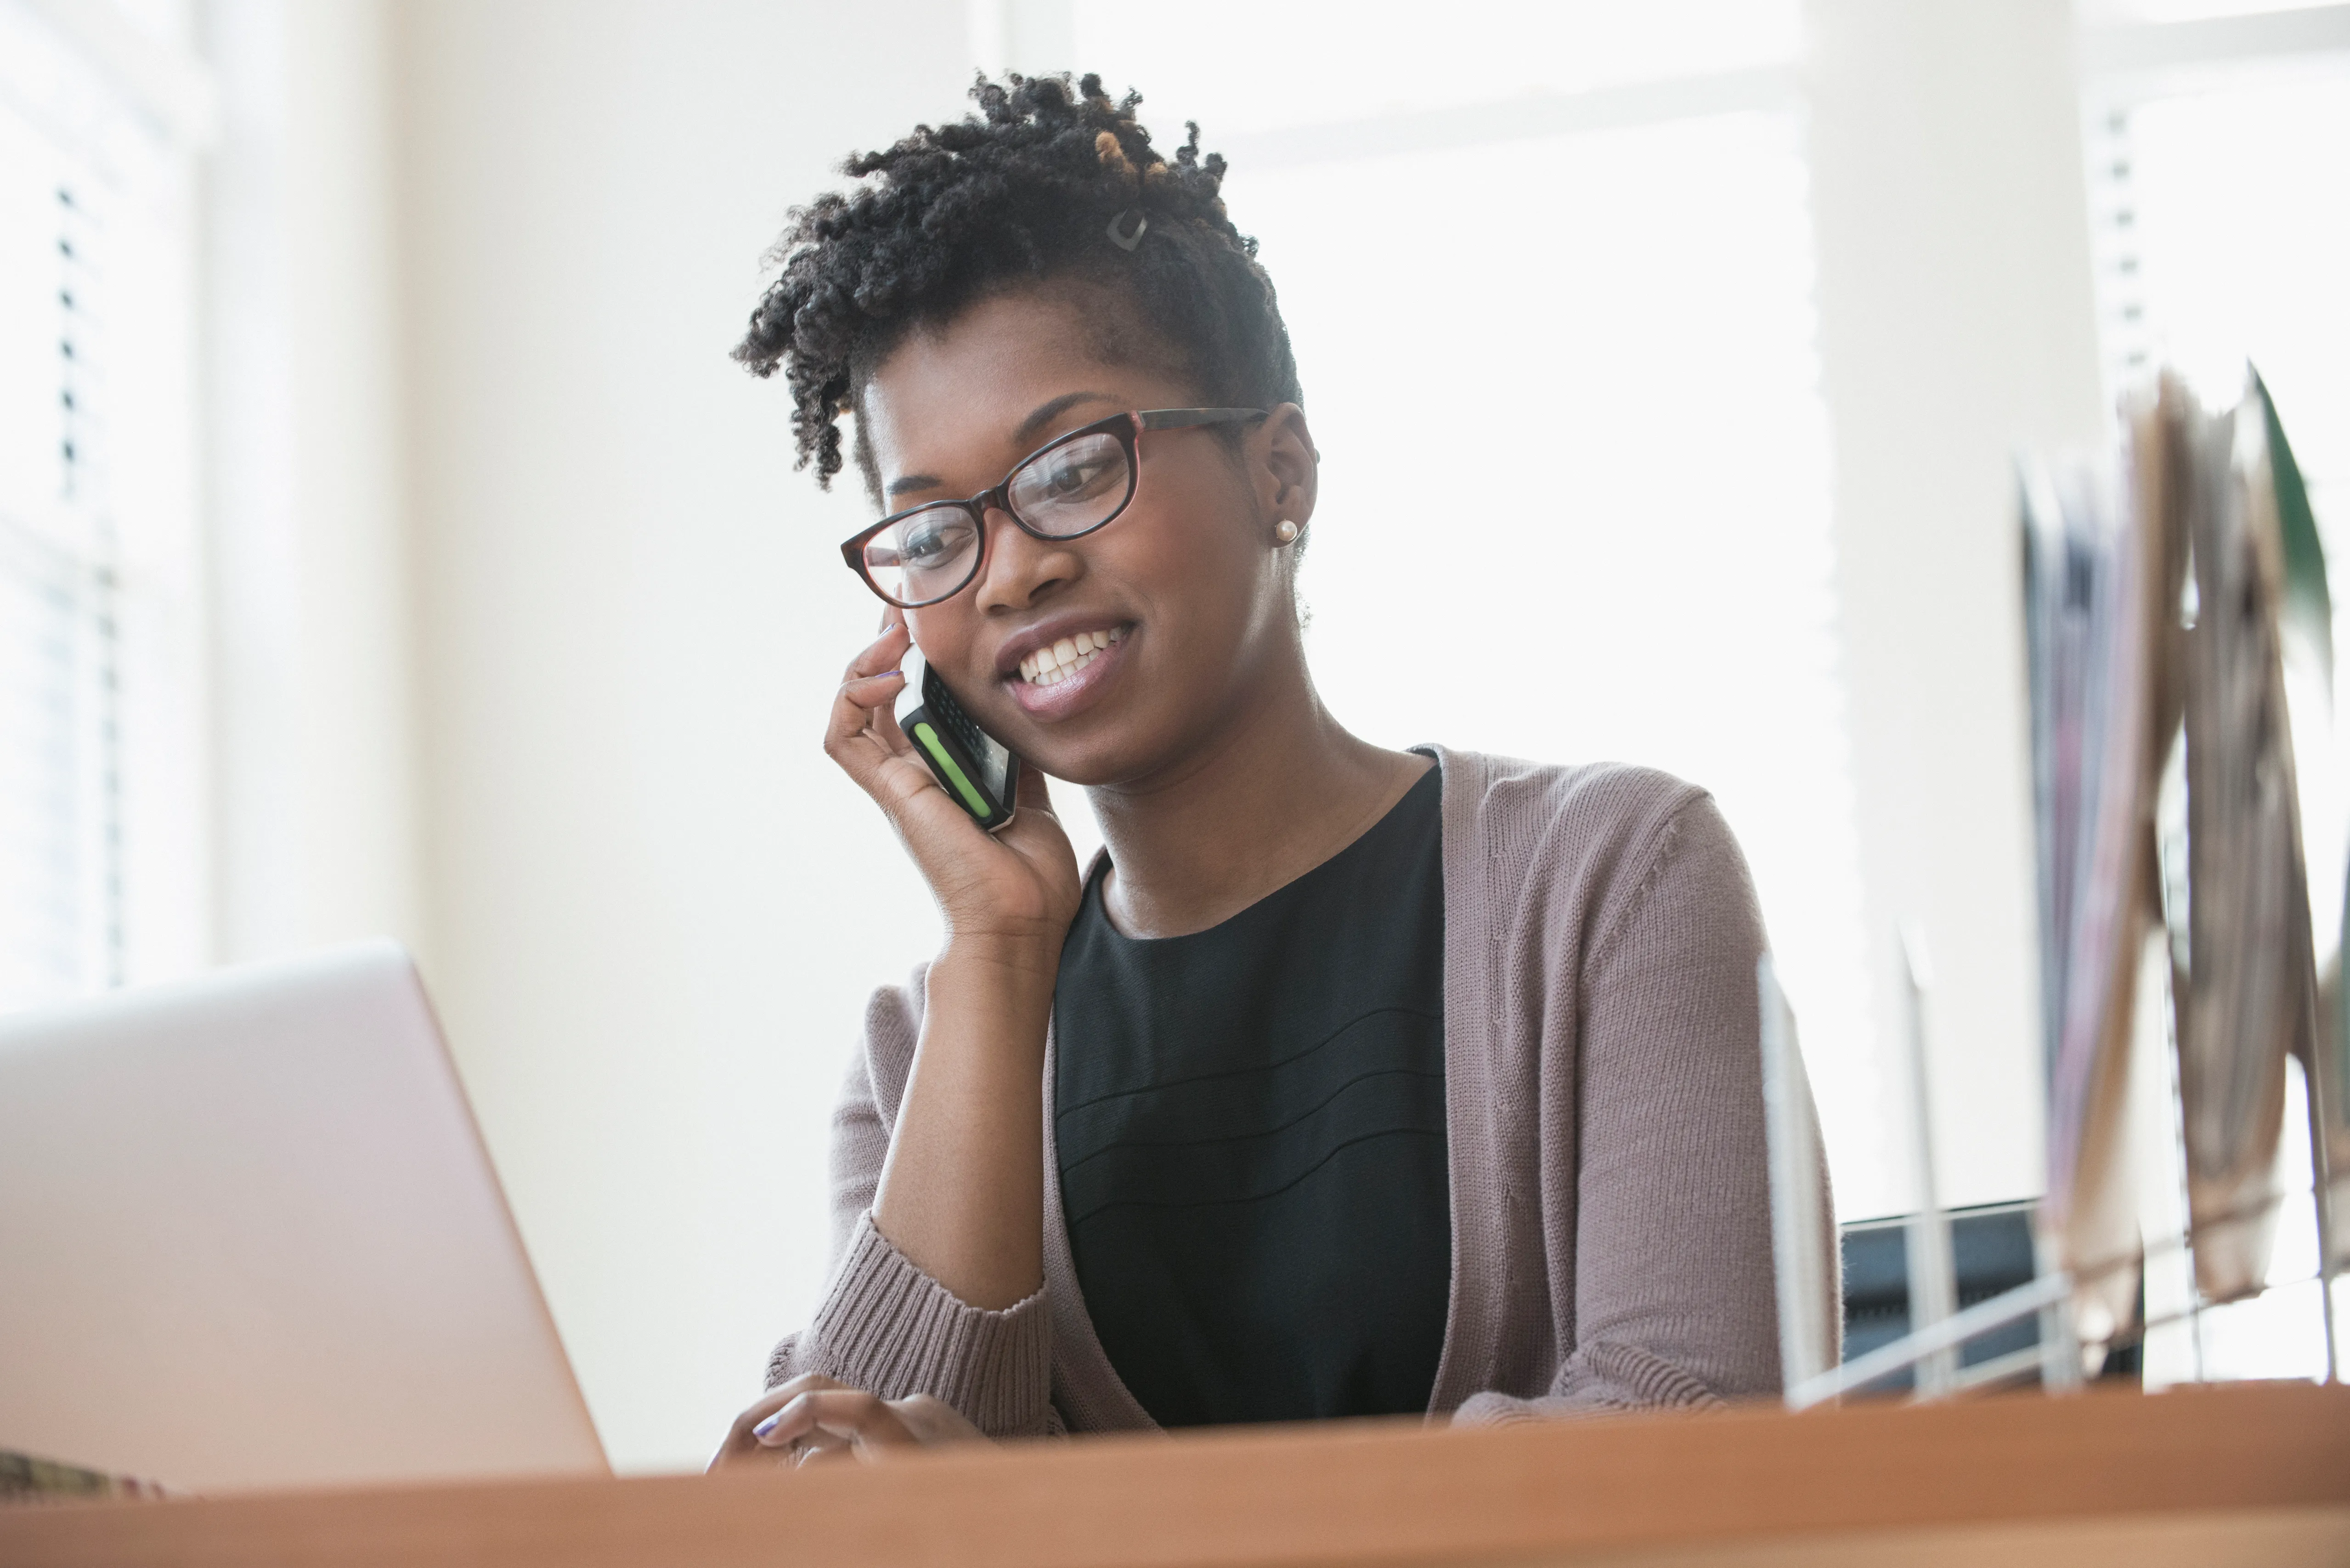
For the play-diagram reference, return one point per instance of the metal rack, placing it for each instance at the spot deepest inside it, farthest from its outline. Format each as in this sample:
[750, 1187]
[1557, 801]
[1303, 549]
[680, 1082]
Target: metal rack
[1938, 1327]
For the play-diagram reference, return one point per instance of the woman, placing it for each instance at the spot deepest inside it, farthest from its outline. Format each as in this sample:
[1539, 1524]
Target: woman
[1346, 1080]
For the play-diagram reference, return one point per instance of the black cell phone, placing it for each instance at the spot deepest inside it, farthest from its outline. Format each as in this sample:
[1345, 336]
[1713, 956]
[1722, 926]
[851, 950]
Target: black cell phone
[972, 765]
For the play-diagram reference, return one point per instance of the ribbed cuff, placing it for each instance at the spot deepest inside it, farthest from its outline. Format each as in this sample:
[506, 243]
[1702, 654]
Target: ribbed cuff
[1599, 1378]
[891, 1330]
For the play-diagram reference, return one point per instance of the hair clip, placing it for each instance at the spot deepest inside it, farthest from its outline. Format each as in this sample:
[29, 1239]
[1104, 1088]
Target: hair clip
[1127, 242]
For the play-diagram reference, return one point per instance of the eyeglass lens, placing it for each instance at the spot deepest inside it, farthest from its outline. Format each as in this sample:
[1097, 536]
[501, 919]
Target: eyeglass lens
[1062, 492]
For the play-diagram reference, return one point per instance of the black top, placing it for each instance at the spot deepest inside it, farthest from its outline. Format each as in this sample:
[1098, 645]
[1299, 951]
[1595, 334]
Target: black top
[1250, 1122]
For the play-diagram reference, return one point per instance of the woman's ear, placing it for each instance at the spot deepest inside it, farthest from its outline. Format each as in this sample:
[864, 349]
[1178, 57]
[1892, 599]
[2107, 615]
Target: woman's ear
[1291, 468]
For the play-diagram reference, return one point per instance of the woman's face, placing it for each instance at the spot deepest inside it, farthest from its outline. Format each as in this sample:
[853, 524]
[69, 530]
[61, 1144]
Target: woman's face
[1184, 602]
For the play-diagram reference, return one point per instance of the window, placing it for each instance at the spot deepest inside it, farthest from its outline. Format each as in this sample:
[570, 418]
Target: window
[99, 818]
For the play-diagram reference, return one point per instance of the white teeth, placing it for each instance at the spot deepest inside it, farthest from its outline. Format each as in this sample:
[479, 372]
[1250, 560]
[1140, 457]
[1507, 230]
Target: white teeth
[1051, 666]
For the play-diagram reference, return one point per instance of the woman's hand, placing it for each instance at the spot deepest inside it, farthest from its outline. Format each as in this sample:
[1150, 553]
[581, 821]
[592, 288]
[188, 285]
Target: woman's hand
[961, 1193]
[1019, 885]
[810, 1420]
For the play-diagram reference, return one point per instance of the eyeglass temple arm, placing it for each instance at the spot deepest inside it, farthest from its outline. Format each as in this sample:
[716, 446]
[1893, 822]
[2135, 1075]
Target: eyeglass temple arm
[1176, 418]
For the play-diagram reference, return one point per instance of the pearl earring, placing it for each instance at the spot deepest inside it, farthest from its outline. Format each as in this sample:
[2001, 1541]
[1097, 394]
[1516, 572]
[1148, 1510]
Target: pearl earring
[1285, 531]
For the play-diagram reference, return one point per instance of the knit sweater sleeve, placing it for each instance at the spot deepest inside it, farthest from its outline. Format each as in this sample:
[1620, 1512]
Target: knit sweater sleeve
[885, 1326]
[1672, 1280]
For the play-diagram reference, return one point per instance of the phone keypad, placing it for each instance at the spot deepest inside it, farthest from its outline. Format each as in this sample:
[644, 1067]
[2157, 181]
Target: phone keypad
[983, 748]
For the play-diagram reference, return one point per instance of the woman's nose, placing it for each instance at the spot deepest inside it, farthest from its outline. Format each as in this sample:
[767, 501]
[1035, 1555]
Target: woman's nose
[1021, 566]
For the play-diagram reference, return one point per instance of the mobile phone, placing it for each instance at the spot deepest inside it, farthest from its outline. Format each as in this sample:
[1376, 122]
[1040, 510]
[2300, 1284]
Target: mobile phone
[974, 767]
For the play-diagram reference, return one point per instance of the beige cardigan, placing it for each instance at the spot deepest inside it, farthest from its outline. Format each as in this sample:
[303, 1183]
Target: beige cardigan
[1611, 1236]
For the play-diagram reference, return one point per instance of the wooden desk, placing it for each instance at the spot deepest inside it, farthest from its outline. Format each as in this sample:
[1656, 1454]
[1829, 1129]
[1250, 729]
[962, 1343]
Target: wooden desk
[2250, 1474]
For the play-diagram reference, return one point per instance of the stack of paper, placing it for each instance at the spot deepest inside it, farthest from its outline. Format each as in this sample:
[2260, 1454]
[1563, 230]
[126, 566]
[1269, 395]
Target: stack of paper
[2249, 995]
[2156, 607]
[2099, 576]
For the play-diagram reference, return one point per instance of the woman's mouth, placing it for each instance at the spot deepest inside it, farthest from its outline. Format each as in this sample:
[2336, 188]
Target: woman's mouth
[1055, 680]
[1051, 666]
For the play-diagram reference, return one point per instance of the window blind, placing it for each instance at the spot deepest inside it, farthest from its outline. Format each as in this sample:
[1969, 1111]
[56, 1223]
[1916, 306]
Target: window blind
[60, 885]
[96, 520]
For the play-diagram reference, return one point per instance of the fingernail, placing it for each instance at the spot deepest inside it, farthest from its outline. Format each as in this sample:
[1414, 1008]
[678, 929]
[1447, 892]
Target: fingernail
[768, 1425]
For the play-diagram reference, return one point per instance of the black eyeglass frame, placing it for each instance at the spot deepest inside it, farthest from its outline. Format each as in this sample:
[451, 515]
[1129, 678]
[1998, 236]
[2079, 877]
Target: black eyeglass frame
[1127, 427]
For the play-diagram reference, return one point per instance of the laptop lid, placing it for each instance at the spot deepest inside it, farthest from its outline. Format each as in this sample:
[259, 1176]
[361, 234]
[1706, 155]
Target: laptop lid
[250, 1237]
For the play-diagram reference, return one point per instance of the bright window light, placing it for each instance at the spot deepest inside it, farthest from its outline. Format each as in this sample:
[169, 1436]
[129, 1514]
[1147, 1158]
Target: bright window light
[101, 806]
[2123, 13]
[1307, 63]
[2241, 203]
[1575, 499]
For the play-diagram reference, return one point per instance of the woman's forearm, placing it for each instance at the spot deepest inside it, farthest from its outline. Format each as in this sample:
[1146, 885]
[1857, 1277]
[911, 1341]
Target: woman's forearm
[961, 1194]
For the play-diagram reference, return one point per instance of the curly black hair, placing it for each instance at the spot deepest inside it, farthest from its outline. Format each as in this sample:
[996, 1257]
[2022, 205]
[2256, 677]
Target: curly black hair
[1023, 193]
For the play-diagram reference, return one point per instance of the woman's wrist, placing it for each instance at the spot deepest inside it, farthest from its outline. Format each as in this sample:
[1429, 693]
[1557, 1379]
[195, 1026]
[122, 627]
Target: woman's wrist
[993, 989]
[1019, 959]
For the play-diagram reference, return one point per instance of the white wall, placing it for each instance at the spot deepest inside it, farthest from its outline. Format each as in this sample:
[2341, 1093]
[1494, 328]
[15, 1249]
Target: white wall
[1957, 328]
[314, 769]
[655, 909]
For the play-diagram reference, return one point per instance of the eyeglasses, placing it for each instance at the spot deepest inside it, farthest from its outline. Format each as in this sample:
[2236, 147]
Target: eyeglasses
[1065, 489]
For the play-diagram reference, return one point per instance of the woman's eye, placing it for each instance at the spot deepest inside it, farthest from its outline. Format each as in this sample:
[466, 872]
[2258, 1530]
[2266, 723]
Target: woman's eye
[1075, 476]
[1079, 477]
[927, 543]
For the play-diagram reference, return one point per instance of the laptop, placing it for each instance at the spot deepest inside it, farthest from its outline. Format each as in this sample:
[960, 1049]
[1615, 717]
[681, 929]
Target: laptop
[250, 1237]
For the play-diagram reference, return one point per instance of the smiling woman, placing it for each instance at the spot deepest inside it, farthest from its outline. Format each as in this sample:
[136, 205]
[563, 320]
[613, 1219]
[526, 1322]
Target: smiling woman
[1345, 1081]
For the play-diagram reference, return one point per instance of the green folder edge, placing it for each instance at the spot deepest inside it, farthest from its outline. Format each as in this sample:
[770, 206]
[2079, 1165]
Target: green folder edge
[2309, 601]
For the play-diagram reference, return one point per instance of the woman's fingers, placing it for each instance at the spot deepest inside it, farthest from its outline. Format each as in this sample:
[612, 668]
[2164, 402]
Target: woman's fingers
[870, 691]
[849, 1413]
[885, 684]
[873, 677]
[823, 1449]
[742, 1440]
[882, 654]
[933, 1420]
[812, 1420]
[861, 734]
[863, 737]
